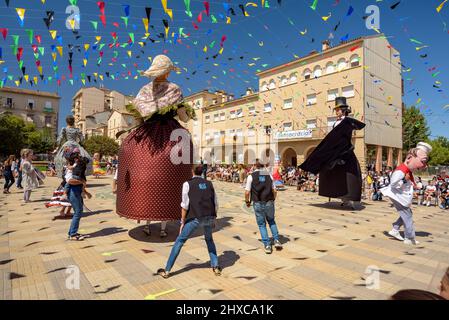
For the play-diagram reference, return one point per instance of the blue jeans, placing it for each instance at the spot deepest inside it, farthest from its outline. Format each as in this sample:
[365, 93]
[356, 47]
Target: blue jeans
[76, 200]
[265, 214]
[19, 180]
[189, 227]
[9, 179]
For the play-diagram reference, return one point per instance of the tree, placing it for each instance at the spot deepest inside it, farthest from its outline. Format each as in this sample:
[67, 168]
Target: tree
[105, 146]
[41, 141]
[440, 152]
[414, 128]
[13, 134]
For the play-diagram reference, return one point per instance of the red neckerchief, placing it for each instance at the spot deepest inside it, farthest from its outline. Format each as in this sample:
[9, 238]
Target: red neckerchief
[406, 171]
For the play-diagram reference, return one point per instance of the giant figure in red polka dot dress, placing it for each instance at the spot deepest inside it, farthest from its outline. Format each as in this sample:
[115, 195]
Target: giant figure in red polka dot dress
[150, 177]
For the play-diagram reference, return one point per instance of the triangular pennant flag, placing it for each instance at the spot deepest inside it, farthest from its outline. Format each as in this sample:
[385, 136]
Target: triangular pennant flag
[126, 9]
[94, 24]
[131, 36]
[125, 20]
[49, 19]
[169, 12]
[53, 34]
[59, 50]
[103, 20]
[145, 24]
[30, 33]
[4, 32]
[42, 50]
[21, 14]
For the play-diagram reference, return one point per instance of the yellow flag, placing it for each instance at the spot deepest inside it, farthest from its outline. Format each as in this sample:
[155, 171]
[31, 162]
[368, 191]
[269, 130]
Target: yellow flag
[53, 34]
[228, 20]
[167, 11]
[27, 78]
[43, 1]
[221, 50]
[85, 62]
[145, 24]
[72, 23]
[21, 13]
[98, 38]
[205, 49]
[59, 50]
[441, 6]
[86, 47]
[101, 77]
[83, 81]
[40, 71]
[325, 18]
[96, 75]
[35, 80]
[54, 56]
[130, 53]
[17, 83]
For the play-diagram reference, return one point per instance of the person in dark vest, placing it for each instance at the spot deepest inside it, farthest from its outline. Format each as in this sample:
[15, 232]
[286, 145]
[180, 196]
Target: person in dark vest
[199, 207]
[335, 161]
[261, 191]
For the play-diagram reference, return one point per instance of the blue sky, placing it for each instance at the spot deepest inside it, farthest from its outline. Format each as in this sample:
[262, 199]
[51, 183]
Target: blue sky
[269, 36]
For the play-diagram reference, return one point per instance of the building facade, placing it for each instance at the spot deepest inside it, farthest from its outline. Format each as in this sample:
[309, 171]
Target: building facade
[119, 121]
[38, 107]
[93, 100]
[293, 110]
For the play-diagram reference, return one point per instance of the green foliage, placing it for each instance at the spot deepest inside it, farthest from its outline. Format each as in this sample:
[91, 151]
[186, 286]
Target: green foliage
[16, 134]
[440, 152]
[414, 128]
[101, 144]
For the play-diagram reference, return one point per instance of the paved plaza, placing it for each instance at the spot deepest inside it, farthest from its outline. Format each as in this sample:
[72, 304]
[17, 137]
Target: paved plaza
[328, 251]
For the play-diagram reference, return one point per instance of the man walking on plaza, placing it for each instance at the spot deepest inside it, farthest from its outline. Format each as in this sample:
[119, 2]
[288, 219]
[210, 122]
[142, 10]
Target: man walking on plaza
[199, 208]
[261, 190]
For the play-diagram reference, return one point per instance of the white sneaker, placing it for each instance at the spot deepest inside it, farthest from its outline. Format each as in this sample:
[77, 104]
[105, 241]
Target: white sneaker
[411, 241]
[395, 234]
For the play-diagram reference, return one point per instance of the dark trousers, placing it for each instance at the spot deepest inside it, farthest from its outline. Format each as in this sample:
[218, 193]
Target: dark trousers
[19, 180]
[9, 180]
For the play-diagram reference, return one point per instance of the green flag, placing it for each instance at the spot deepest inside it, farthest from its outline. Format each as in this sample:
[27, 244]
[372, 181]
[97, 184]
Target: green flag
[125, 20]
[313, 6]
[131, 35]
[94, 24]
[30, 33]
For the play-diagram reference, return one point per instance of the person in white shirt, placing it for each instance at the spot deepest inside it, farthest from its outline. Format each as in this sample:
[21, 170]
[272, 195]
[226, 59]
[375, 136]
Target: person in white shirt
[400, 191]
[430, 192]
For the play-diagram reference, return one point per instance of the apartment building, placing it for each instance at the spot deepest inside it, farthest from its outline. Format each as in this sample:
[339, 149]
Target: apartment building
[293, 110]
[38, 107]
[92, 100]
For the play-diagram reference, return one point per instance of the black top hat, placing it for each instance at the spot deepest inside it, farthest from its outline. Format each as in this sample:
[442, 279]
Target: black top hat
[340, 102]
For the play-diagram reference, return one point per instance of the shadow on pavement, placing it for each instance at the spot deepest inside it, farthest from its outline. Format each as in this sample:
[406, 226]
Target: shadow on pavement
[172, 231]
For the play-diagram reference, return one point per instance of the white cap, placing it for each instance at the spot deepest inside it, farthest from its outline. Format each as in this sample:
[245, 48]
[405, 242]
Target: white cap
[427, 148]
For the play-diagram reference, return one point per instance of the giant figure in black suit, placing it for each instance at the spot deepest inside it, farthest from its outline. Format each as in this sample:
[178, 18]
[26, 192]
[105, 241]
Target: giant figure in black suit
[335, 161]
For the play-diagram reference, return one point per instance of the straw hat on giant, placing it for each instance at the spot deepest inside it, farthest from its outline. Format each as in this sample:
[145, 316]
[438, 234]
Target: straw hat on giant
[161, 65]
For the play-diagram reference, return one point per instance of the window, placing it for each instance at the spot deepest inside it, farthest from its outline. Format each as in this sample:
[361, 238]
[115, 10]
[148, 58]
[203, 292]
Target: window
[267, 130]
[30, 104]
[217, 135]
[251, 132]
[307, 74]
[232, 114]
[222, 116]
[239, 113]
[267, 107]
[317, 72]
[239, 133]
[311, 124]
[293, 78]
[284, 81]
[348, 92]
[311, 99]
[9, 102]
[216, 117]
[341, 64]
[355, 61]
[252, 110]
[231, 132]
[48, 107]
[288, 103]
[332, 94]
[272, 85]
[264, 86]
[331, 121]
[287, 126]
[48, 121]
[207, 119]
[330, 68]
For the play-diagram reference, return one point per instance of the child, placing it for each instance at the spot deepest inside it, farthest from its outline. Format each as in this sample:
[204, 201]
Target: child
[400, 191]
[78, 171]
[444, 289]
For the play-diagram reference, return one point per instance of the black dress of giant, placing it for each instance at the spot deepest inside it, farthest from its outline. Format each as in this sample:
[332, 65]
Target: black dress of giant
[335, 161]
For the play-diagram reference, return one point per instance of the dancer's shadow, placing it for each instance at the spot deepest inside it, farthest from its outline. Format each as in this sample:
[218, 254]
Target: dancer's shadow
[225, 260]
[92, 213]
[337, 206]
[95, 185]
[172, 231]
[417, 233]
[105, 232]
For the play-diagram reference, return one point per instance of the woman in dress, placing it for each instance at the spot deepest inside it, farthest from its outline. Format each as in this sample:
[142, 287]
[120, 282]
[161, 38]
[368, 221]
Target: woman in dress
[69, 139]
[29, 176]
[149, 183]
